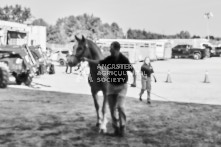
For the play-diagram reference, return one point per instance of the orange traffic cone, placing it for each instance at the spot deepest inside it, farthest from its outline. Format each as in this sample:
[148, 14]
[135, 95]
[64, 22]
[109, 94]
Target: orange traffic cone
[206, 79]
[168, 80]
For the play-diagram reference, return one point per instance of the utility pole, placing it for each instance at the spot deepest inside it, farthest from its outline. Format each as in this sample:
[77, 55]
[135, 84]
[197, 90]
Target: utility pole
[208, 16]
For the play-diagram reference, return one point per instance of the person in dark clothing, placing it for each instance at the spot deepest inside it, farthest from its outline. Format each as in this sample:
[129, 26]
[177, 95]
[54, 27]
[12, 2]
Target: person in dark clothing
[116, 66]
[146, 73]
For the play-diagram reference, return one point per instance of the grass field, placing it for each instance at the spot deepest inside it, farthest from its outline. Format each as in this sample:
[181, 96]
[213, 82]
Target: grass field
[54, 119]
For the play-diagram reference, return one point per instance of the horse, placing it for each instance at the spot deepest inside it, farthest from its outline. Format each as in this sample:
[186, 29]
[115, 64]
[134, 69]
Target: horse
[69, 63]
[81, 67]
[69, 60]
[87, 48]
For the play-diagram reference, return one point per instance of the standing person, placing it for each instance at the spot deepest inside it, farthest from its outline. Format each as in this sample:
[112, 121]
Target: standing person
[146, 72]
[117, 66]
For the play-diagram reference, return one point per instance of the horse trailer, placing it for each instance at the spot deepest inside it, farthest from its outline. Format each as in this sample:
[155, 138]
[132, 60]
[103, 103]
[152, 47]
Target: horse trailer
[127, 48]
[137, 50]
[163, 50]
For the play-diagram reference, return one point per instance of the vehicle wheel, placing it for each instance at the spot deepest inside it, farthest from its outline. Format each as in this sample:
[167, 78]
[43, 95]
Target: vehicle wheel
[3, 78]
[28, 81]
[52, 69]
[62, 63]
[197, 56]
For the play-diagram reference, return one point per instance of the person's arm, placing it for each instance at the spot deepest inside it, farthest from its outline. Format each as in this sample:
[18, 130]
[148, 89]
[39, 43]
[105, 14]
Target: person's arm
[131, 69]
[153, 74]
[90, 60]
[134, 78]
[154, 77]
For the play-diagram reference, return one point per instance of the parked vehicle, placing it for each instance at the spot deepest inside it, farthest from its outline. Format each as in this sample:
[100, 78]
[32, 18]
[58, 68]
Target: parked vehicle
[44, 64]
[188, 51]
[16, 61]
[218, 50]
[62, 57]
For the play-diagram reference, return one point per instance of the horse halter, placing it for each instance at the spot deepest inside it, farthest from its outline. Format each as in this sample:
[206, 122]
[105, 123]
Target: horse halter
[78, 56]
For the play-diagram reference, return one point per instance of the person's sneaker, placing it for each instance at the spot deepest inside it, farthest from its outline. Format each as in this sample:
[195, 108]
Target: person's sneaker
[140, 99]
[122, 131]
[148, 102]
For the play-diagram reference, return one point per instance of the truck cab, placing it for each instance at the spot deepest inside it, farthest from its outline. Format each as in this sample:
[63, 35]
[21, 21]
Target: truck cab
[181, 51]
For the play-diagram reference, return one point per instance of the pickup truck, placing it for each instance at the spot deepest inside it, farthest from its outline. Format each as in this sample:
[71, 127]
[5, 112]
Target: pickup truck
[218, 51]
[188, 51]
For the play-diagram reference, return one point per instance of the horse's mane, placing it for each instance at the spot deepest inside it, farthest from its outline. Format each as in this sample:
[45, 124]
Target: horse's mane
[94, 49]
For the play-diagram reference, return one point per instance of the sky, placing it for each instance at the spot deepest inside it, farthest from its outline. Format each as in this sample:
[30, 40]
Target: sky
[158, 16]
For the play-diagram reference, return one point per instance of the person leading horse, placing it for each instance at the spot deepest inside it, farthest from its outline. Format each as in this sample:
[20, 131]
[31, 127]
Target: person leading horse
[117, 66]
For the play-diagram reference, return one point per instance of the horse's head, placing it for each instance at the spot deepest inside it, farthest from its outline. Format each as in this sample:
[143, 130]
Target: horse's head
[82, 50]
[86, 48]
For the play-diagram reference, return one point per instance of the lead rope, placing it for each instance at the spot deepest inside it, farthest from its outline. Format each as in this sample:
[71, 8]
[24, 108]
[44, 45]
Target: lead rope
[167, 99]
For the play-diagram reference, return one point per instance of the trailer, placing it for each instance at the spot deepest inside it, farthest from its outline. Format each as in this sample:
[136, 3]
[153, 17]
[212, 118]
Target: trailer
[13, 33]
[137, 50]
[128, 48]
[163, 50]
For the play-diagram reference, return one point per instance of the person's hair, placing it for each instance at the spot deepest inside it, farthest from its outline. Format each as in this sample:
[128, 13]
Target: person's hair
[116, 45]
[144, 61]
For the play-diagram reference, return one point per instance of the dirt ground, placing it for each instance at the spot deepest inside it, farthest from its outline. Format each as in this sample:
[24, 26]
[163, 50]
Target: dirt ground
[58, 110]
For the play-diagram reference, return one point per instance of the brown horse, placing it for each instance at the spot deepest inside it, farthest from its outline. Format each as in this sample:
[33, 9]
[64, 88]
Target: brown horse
[69, 63]
[87, 48]
[70, 60]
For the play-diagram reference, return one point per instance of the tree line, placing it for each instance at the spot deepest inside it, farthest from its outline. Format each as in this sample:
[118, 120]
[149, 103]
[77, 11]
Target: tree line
[64, 30]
